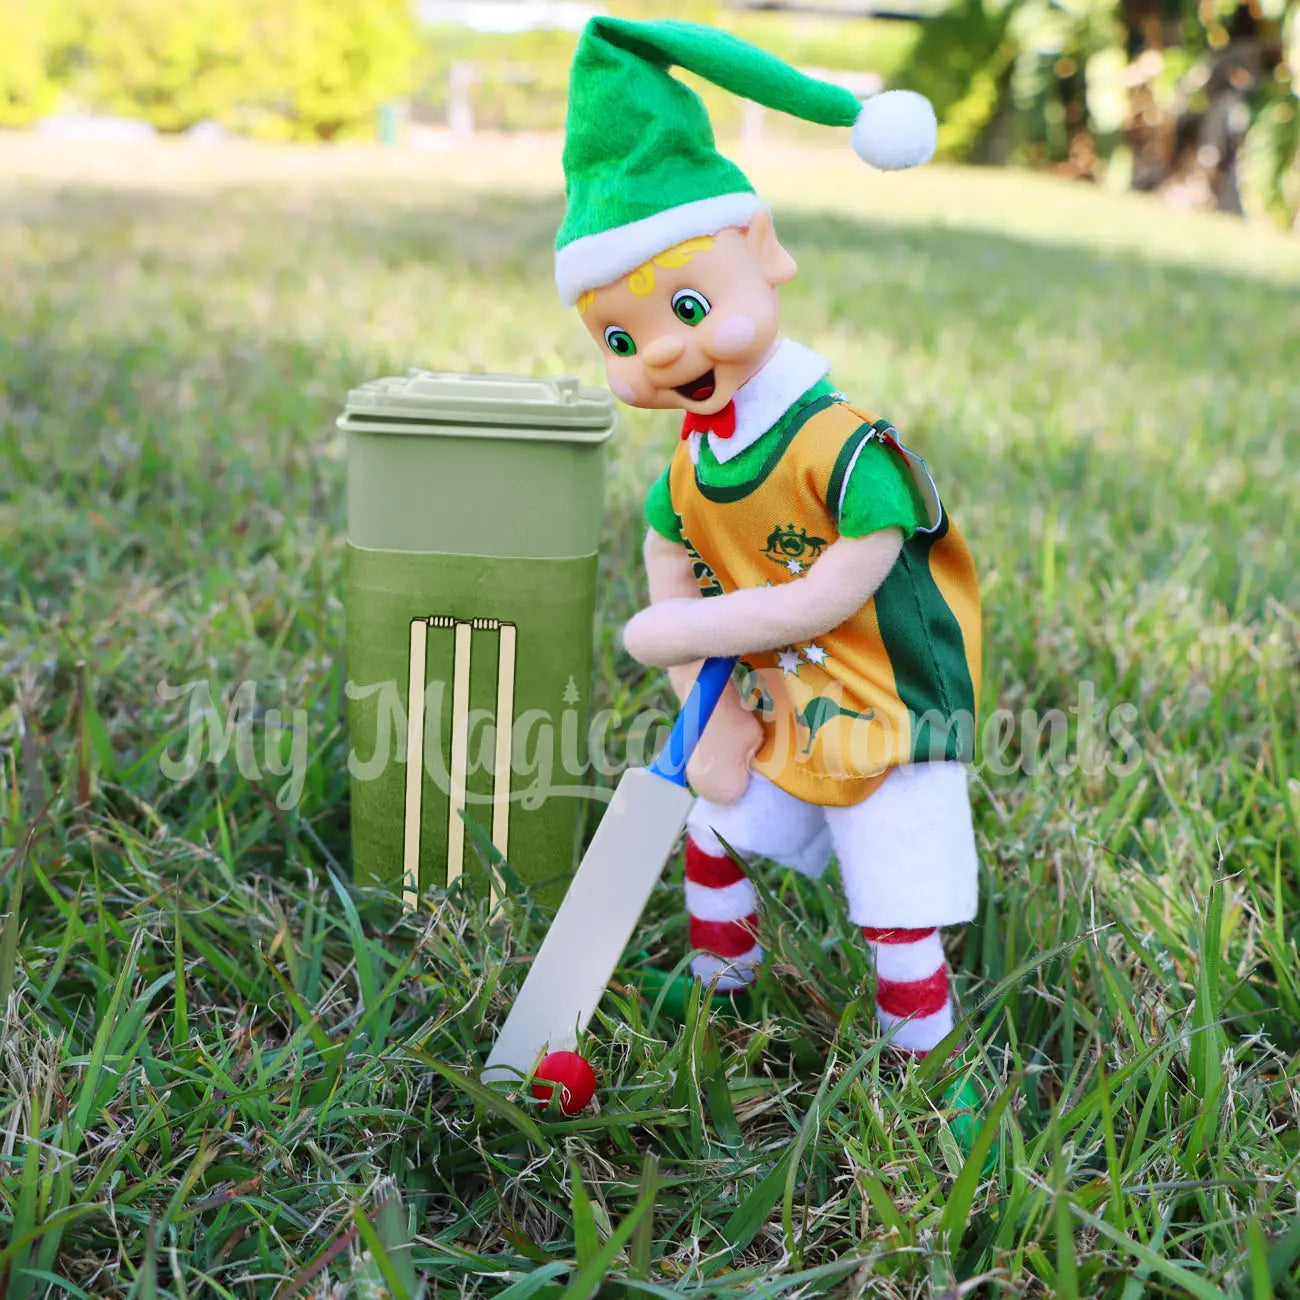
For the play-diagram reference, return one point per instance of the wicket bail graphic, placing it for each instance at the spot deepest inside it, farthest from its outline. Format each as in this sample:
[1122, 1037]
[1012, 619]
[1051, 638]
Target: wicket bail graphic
[457, 767]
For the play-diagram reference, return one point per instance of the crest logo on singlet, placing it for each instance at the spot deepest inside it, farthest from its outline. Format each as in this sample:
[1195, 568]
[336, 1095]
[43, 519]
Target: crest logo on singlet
[792, 548]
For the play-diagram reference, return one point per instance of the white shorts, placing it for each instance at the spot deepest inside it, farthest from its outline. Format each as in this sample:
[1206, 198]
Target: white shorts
[906, 853]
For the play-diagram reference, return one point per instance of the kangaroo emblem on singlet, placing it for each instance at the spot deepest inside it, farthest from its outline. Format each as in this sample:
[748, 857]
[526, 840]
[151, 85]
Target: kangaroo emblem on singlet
[819, 711]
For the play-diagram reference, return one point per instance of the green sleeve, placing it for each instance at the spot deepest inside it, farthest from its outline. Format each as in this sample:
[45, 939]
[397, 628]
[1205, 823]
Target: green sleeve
[878, 492]
[659, 511]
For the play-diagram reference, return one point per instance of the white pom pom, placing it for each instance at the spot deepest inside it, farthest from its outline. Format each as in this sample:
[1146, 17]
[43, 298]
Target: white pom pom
[895, 129]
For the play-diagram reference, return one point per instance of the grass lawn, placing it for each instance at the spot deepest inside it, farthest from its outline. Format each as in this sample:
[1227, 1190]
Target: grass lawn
[222, 1065]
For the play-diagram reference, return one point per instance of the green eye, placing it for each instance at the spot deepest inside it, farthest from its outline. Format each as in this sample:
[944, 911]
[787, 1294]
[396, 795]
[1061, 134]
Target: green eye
[690, 306]
[619, 342]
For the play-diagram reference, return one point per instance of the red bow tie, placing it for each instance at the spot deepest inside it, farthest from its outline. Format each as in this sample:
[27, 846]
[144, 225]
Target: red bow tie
[722, 423]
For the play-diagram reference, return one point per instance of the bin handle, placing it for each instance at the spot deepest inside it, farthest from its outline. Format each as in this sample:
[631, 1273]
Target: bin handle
[692, 719]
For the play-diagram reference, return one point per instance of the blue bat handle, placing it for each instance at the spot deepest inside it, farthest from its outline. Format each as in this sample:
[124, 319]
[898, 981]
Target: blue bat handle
[691, 721]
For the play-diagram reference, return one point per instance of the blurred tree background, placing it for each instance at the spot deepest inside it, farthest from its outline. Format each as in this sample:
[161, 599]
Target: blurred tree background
[270, 69]
[1194, 93]
[1198, 97]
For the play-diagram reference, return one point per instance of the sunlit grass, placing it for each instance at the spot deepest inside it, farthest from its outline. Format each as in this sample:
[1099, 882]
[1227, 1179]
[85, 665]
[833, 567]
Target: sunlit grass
[222, 1066]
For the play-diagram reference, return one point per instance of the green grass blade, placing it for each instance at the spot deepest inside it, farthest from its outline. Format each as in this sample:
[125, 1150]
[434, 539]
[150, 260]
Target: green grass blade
[752, 1213]
[1183, 1278]
[586, 1239]
[486, 1097]
[590, 1275]
[957, 1208]
[642, 1245]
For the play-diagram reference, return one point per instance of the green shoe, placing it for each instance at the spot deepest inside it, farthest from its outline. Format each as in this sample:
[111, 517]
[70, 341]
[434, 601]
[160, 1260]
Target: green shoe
[963, 1107]
[675, 989]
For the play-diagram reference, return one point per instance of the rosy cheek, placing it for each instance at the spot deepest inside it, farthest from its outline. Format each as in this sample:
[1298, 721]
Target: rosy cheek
[622, 389]
[733, 336]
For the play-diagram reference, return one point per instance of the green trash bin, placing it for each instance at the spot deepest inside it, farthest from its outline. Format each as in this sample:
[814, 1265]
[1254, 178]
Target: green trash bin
[474, 515]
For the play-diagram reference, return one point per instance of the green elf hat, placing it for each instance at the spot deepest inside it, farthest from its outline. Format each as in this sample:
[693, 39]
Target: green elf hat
[642, 172]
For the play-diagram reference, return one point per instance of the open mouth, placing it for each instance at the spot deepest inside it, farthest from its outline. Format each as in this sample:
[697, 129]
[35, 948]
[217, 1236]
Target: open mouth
[697, 390]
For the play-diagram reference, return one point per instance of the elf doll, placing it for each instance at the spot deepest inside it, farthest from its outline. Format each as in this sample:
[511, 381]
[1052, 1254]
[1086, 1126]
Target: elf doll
[791, 528]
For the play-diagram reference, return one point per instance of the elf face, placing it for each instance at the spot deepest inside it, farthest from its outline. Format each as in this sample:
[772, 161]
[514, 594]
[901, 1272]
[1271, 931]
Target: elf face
[690, 326]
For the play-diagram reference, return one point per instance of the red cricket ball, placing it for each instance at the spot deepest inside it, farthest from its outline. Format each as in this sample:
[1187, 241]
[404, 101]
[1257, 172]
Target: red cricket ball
[576, 1078]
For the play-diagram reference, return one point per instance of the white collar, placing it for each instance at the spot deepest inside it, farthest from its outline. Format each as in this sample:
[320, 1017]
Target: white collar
[765, 397]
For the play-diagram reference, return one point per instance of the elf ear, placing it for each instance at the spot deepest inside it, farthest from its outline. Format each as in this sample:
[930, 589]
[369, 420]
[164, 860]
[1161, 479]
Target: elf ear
[777, 265]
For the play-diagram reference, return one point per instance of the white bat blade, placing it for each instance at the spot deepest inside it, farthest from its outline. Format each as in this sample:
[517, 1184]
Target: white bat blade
[601, 909]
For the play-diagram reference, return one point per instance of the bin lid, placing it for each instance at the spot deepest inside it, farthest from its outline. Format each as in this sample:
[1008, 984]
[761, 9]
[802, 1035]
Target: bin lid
[434, 397]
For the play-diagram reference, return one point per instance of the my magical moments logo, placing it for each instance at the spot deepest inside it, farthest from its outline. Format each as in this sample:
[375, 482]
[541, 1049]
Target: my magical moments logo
[557, 753]
[242, 730]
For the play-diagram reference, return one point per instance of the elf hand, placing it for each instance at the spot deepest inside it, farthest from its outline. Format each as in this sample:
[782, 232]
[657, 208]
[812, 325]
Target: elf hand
[719, 768]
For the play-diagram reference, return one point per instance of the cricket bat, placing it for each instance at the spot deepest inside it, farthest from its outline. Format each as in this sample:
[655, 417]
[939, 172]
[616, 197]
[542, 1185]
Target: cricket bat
[605, 900]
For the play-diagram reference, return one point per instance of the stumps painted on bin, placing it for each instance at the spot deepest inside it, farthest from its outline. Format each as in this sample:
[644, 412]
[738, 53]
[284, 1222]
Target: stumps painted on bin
[474, 512]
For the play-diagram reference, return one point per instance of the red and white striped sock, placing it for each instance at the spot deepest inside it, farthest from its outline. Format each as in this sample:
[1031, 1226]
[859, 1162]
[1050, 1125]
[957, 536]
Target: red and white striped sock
[723, 911]
[913, 998]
